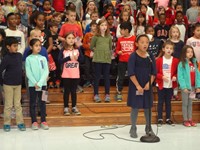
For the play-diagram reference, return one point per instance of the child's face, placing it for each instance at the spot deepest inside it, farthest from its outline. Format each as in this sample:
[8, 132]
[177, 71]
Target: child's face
[18, 19]
[47, 5]
[141, 19]
[94, 16]
[179, 8]
[40, 21]
[175, 33]
[174, 2]
[13, 48]
[110, 9]
[37, 35]
[70, 40]
[143, 9]
[110, 20]
[197, 32]
[1, 37]
[127, 8]
[150, 31]
[125, 16]
[1, 17]
[162, 19]
[103, 27]
[146, 2]
[12, 22]
[179, 17]
[189, 53]
[54, 29]
[21, 7]
[143, 44]
[71, 17]
[168, 50]
[36, 48]
[58, 18]
[91, 6]
[94, 28]
[193, 2]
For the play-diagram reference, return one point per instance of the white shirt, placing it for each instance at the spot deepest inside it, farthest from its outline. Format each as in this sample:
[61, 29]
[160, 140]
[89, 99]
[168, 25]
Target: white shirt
[166, 67]
[182, 30]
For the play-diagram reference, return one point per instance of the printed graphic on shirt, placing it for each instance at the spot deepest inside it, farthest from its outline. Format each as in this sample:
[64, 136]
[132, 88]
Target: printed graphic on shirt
[127, 47]
[195, 44]
[167, 73]
[72, 64]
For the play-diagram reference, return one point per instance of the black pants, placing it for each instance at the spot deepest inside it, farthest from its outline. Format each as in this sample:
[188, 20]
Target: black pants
[122, 67]
[70, 86]
[34, 96]
[89, 69]
[164, 96]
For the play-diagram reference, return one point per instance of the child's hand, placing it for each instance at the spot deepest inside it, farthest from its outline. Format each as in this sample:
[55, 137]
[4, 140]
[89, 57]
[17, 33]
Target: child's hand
[146, 87]
[185, 91]
[165, 79]
[36, 86]
[120, 52]
[140, 89]
[198, 90]
[173, 78]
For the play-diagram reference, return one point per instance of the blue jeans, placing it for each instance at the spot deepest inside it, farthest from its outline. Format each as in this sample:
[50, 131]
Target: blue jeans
[99, 69]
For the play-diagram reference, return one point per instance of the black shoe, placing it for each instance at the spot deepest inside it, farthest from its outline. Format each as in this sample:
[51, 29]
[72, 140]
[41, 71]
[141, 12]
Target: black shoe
[149, 131]
[133, 132]
[170, 122]
[160, 122]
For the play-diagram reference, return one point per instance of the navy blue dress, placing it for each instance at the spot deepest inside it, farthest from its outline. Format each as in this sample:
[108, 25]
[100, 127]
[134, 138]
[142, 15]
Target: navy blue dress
[141, 68]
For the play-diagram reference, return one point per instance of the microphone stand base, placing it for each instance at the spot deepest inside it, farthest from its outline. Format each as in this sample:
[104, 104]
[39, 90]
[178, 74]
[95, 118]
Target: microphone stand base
[150, 139]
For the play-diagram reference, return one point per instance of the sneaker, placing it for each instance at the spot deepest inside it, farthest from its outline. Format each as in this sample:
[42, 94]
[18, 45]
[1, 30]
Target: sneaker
[57, 84]
[97, 98]
[21, 127]
[79, 89]
[133, 132]
[51, 85]
[87, 84]
[66, 111]
[160, 122]
[177, 98]
[186, 124]
[6, 128]
[170, 122]
[149, 130]
[193, 124]
[44, 126]
[75, 111]
[107, 98]
[35, 126]
[119, 97]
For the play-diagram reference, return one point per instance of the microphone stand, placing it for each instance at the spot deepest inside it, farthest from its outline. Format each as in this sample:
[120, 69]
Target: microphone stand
[150, 137]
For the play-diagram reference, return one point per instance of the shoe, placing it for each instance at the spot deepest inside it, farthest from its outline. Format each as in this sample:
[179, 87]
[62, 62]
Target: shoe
[6, 128]
[21, 127]
[149, 130]
[107, 98]
[186, 124]
[177, 98]
[75, 111]
[48, 102]
[97, 98]
[66, 111]
[133, 132]
[57, 84]
[193, 124]
[35, 126]
[51, 85]
[160, 122]
[170, 122]
[87, 84]
[119, 97]
[79, 89]
[44, 126]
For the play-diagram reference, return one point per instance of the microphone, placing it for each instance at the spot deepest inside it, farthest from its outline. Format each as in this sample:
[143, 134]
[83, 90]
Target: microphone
[148, 56]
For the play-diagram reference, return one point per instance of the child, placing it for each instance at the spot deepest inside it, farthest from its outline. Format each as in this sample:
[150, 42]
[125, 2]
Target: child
[22, 10]
[12, 65]
[119, 7]
[143, 10]
[166, 81]
[57, 18]
[69, 58]
[181, 25]
[140, 66]
[37, 73]
[3, 24]
[30, 6]
[94, 17]
[162, 30]
[8, 7]
[174, 37]
[79, 8]
[155, 45]
[140, 24]
[189, 81]
[172, 5]
[102, 45]
[149, 9]
[195, 42]
[125, 46]
[13, 32]
[89, 69]
[54, 80]
[48, 12]
[124, 16]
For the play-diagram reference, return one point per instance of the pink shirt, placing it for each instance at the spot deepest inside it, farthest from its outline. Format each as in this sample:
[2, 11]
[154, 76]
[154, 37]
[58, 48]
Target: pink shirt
[71, 67]
[195, 43]
[163, 3]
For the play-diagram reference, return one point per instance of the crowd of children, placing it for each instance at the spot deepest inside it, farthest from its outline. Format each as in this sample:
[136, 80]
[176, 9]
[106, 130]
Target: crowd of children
[49, 41]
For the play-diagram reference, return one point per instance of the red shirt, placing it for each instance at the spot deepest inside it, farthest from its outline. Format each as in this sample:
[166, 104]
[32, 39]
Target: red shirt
[68, 27]
[192, 74]
[59, 5]
[127, 46]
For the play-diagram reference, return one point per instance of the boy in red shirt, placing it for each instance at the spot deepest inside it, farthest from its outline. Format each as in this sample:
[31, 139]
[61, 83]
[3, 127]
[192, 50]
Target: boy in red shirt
[125, 46]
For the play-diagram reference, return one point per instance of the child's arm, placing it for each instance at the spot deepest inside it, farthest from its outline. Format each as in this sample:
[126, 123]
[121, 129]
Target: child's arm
[136, 83]
[118, 48]
[3, 66]
[62, 60]
[93, 43]
[86, 43]
[29, 73]
[49, 49]
[181, 79]
[44, 74]
[22, 48]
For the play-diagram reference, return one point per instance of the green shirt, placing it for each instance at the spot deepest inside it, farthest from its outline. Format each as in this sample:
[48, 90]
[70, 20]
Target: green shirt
[102, 49]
